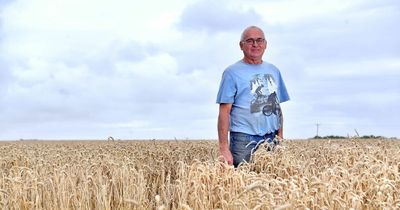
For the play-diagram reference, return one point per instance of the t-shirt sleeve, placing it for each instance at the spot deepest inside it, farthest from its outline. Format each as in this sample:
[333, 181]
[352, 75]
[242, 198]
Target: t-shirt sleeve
[227, 89]
[283, 94]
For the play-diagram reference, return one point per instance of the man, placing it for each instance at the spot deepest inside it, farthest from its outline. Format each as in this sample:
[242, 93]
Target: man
[249, 96]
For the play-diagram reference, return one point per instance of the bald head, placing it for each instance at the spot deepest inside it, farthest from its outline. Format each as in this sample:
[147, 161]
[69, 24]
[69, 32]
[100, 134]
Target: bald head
[244, 33]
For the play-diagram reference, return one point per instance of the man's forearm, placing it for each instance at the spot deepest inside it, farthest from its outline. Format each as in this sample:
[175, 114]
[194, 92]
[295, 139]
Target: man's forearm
[223, 127]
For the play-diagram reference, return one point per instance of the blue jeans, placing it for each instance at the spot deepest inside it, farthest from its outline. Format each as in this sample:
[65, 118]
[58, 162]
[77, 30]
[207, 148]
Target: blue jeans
[243, 145]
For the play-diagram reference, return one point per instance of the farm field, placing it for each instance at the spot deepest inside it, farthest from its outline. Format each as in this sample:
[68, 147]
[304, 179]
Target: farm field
[299, 174]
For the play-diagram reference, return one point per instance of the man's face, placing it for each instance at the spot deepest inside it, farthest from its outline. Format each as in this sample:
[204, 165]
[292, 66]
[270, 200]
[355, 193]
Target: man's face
[253, 45]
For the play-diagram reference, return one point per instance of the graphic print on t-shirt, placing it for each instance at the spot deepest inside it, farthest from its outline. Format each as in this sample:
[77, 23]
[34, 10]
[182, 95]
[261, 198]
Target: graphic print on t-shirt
[263, 87]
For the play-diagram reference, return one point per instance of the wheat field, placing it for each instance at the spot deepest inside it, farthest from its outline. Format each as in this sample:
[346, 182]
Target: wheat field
[299, 174]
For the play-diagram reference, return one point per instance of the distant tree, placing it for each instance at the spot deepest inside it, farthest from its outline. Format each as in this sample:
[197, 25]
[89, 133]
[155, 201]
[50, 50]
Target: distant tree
[343, 137]
[372, 137]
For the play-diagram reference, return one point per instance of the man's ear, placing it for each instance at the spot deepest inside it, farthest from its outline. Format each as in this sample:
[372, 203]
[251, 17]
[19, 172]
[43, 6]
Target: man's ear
[241, 45]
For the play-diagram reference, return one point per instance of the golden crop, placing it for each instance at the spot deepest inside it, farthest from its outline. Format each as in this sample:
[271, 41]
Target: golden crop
[303, 174]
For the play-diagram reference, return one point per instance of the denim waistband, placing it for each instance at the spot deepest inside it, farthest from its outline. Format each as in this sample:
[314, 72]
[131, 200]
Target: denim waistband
[250, 137]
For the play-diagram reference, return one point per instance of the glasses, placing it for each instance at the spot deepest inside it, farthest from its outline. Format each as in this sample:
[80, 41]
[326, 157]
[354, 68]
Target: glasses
[253, 41]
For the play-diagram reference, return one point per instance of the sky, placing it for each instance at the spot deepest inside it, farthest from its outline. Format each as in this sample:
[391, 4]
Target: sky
[73, 69]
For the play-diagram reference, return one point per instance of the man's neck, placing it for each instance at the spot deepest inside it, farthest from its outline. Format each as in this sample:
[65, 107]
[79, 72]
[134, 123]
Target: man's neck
[252, 61]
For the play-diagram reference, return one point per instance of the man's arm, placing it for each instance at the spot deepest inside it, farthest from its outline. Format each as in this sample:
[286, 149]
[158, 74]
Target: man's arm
[223, 129]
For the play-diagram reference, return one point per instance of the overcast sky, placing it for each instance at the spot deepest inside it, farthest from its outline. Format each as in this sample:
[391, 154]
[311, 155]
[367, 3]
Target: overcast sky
[89, 69]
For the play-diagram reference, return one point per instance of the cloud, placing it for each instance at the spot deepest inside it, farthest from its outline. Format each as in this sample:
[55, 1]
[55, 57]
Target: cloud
[5, 80]
[4, 3]
[69, 76]
[216, 16]
[352, 34]
[5, 73]
[114, 87]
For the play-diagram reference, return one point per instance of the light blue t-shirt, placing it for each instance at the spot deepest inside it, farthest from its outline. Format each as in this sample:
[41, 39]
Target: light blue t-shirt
[255, 91]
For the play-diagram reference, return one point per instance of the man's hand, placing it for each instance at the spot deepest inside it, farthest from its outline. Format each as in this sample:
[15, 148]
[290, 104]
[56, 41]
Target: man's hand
[225, 156]
[279, 138]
